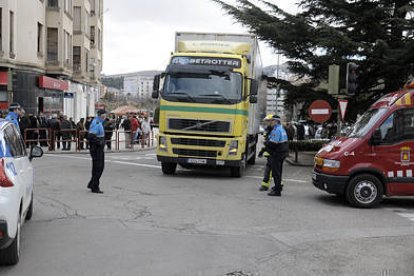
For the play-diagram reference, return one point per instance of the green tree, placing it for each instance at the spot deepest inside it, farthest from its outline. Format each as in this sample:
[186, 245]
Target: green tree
[375, 34]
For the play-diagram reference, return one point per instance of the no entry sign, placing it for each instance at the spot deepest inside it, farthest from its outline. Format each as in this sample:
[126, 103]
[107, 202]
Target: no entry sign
[320, 111]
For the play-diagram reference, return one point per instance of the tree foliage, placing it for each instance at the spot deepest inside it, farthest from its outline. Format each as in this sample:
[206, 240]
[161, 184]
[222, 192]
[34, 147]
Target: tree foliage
[375, 34]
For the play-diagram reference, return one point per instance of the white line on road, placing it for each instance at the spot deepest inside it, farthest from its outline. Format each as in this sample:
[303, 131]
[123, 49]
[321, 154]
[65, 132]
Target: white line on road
[284, 179]
[111, 161]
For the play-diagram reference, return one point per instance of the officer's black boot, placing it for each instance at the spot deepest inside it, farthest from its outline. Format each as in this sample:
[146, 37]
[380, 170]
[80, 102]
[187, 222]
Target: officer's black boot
[274, 192]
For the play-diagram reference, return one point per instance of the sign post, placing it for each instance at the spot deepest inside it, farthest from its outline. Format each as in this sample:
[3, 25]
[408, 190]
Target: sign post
[320, 111]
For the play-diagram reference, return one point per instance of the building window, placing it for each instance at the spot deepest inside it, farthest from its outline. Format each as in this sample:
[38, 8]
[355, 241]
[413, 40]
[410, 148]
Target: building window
[93, 5]
[99, 39]
[39, 38]
[92, 36]
[77, 59]
[86, 60]
[53, 3]
[68, 7]
[11, 49]
[67, 48]
[52, 44]
[77, 19]
[86, 26]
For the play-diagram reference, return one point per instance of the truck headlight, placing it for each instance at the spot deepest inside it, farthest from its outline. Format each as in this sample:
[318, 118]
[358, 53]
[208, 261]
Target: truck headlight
[163, 146]
[331, 164]
[233, 147]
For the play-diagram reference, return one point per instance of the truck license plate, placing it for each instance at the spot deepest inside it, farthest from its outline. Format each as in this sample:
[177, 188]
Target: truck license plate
[197, 161]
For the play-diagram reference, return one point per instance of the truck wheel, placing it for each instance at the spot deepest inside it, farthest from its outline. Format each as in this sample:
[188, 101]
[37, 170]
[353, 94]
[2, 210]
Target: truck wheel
[11, 254]
[364, 191]
[168, 168]
[29, 213]
[238, 171]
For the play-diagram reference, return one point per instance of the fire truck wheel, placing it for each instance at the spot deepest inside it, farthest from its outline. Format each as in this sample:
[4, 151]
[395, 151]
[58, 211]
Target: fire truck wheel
[168, 168]
[364, 191]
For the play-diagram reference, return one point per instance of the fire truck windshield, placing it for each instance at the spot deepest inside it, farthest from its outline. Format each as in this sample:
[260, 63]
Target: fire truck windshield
[366, 122]
[204, 88]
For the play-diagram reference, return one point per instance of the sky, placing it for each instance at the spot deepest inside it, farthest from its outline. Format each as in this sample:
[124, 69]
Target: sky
[139, 34]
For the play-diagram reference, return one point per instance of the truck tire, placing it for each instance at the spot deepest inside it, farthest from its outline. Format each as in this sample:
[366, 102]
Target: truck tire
[29, 213]
[364, 191]
[168, 168]
[11, 254]
[238, 171]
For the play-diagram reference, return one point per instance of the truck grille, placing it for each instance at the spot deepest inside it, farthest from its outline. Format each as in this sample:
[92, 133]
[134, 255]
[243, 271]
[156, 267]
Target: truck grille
[197, 153]
[197, 142]
[199, 125]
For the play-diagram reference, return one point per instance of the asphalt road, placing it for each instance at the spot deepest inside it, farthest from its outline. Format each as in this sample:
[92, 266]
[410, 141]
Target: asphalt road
[203, 222]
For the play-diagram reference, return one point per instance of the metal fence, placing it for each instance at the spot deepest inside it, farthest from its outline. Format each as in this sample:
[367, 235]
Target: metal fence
[73, 139]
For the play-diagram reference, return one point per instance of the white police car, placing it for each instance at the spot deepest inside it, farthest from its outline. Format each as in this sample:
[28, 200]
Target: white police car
[16, 190]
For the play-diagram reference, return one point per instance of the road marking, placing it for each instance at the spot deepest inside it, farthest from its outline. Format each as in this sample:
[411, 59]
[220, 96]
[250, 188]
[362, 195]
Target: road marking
[110, 161]
[284, 179]
[137, 164]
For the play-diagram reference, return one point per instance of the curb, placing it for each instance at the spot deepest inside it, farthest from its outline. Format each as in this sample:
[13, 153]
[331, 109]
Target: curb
[111, 151]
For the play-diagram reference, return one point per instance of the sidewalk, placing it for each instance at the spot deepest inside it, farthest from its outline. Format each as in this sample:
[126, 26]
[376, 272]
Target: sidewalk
[305, 159]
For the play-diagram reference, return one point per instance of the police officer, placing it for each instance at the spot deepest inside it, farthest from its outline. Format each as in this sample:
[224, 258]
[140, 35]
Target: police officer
[14, 113]
[278, 147]
[96, 139]
[268, 171]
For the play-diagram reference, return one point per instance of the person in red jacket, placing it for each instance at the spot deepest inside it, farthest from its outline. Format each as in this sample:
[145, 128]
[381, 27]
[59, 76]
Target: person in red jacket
[134, 128]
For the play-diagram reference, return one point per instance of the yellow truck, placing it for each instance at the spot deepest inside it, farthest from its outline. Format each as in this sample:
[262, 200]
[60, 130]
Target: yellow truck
[209, 111]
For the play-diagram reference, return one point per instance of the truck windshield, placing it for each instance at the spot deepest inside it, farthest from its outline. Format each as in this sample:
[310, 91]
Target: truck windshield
[366, 122]
[221, 88]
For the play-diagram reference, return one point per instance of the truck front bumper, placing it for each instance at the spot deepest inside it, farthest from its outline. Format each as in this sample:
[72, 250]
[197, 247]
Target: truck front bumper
[330, 183]
[200, 161]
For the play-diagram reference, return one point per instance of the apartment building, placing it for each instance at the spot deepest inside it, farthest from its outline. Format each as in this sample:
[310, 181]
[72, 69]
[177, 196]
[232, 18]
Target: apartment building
[39, 62]
[137, 85]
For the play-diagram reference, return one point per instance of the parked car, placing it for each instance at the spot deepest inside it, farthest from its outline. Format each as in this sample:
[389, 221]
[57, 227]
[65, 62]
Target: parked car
[16, 190]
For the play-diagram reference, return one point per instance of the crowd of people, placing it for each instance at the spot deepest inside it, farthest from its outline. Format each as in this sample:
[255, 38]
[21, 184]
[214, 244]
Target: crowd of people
[304, 130]
[58, 130]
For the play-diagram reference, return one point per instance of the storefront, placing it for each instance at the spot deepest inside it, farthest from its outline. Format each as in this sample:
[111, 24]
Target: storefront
[38, 93]
[4, 80]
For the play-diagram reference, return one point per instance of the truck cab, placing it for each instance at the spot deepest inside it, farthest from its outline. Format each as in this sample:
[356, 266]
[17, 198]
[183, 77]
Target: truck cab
[209, 115]
[375, 159]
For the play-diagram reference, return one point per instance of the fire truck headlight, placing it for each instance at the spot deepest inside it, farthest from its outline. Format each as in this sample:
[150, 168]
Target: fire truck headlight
[233, 147]
[163, 143]
[331, 164]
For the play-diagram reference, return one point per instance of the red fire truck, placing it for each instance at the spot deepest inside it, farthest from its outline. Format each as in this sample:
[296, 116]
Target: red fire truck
[376, 158]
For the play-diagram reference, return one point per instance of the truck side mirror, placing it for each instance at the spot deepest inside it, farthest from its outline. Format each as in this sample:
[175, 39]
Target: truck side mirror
[156, 87]
[253, 99]
[376, 138]
[254, 87]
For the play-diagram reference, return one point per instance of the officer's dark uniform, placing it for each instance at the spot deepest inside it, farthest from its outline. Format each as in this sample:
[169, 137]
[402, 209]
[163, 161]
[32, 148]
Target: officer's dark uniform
[96, 139]
[279, 149]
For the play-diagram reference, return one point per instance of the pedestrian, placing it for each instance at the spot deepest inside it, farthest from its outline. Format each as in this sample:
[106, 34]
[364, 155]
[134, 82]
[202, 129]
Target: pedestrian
[135, 125]
[80, 127]
[66, 130]
[42, 122]
[96, 138]
[34, 132]
[263, 153]
[146, 129]
[278, 147]
[290, 130]
[54, 125]
[14, 114]
[126, 125]
[109, 126]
